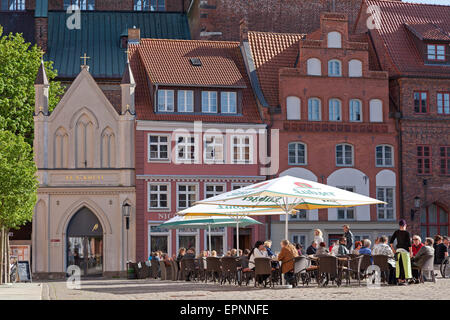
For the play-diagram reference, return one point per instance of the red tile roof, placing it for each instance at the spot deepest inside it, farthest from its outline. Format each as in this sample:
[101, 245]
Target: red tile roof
[167, 62]
[397, 41]
[428, 31]
[272, 51]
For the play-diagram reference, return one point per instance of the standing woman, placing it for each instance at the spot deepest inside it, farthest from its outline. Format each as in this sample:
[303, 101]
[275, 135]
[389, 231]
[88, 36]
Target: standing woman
[403, 252]
[318, 236]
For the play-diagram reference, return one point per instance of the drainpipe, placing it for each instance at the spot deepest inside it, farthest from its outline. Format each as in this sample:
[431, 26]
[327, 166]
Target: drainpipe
[269, 151]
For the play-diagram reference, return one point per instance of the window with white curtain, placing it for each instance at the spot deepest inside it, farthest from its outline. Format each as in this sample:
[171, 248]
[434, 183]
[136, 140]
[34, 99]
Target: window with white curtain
[293, 108]
[314, 67]
[376, 110]
[334, 40]
[354, 68]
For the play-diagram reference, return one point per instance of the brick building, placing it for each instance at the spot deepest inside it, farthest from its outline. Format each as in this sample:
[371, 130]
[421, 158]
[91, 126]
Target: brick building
[333, 129]
[219, 19]
[412, 43]
[197, 135]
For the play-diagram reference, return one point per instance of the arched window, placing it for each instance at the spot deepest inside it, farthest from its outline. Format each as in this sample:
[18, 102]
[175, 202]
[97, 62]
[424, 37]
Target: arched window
[84, 145]
[297, 153]
[376, 110]
[314, 109]
[355, 110]
[108, 149]
[344, 155]
[384, 156]
[61, 148]
[434, 220]
[335, 110]
[334, 40]
[355, 68]
[334, 68]
[314, 67]
[293, 108]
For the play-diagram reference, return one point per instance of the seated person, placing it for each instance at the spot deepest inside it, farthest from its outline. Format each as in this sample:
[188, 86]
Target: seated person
[268, 245]
[258, 251]
[342, 250]
[384, 249]
[286, 256]
[421, 256]
[358, 245]
[322, 250]
[366, 248]
[416, 245]
[311, 250]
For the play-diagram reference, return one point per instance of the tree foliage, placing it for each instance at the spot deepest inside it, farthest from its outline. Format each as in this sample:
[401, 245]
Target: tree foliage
[18, 181]
[19, 63]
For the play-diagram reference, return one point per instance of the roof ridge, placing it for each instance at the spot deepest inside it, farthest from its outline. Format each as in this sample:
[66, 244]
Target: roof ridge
[278, 33]
[192, 40]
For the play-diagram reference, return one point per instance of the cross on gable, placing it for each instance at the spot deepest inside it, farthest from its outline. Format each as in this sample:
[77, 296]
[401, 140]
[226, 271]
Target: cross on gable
[84, 58]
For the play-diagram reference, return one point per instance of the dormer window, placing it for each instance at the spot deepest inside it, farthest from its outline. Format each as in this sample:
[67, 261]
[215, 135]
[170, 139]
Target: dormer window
[436, 52]
[228, 102]
[165, 101]
[209, 101]
[81, 4]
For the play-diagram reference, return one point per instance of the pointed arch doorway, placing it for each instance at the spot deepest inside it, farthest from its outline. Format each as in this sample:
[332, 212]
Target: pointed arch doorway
[85, 243]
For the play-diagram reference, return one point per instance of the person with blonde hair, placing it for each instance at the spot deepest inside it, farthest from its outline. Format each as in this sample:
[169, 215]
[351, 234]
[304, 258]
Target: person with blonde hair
[214, 253]
[286, 256]
[268, 245]
[318, 236]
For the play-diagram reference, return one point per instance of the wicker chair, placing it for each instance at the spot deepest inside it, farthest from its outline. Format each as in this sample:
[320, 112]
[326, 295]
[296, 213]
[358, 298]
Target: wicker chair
[154, 268]
[365, 263]
[301, 264]
[355, 268]
[230, 270]
[263, 268]
[201, 262]
[188, 268]
[213, 269]
[381, 261]
[175, 270]
[162, 267]
[328, 270]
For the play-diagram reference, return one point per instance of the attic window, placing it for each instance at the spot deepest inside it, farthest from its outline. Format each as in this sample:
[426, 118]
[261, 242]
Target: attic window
[436, 52]
[195, 62]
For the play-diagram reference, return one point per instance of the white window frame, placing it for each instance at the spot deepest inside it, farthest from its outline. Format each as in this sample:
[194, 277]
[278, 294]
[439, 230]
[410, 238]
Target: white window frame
[206, 108]
[310, 106]
[295, 217]
[311, 64]
[223, 234]
[17, 5]
[384, 207]
[214, 145]
[330, 40]
[296, 143]
[332, 109]
[240, 146]
[166, 106]
[384, 165]
[168, 234]
[186, 144]
[293, 109]
[331, 69]
[149, 159]
[346, 218]
[300, 234]
[159, 209]
[343, 155]
[436, 54]
[188, 105]
[214, 184]
[372, 112]
[355, 68]
[197, 193]
[352, 110]
[228, 97]
[240, 185]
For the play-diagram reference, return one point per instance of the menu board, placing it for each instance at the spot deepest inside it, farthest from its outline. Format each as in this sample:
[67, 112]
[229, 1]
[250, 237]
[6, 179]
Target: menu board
[23, 270]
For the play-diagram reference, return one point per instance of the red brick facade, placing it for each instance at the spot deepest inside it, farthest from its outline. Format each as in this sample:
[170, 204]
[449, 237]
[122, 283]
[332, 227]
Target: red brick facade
[219, 19]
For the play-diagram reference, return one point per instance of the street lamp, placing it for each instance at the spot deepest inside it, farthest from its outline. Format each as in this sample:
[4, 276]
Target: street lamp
[416, 207]
[126, 211]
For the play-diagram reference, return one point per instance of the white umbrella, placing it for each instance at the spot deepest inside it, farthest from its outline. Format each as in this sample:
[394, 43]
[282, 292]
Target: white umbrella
[288, 194]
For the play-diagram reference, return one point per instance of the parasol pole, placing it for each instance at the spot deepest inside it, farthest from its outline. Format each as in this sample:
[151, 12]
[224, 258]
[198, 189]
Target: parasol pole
[237, 234]
[209, 236]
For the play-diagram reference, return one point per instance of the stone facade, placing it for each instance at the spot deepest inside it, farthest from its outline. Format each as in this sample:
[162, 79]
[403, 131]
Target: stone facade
[84, 151]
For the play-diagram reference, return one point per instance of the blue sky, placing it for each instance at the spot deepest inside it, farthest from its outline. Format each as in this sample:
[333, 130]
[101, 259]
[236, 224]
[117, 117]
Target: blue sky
[445, 2]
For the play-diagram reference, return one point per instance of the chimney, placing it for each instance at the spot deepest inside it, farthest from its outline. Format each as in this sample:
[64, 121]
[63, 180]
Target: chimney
[243, 30]
[127, 86]
[41, 91]
[41, 32]
[134, 35]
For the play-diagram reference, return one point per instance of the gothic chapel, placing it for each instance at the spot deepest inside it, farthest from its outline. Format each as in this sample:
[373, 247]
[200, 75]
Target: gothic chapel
[84, 151]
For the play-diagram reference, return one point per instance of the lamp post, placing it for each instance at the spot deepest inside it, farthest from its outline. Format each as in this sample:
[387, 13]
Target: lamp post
[126, 212]
[416, 207]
